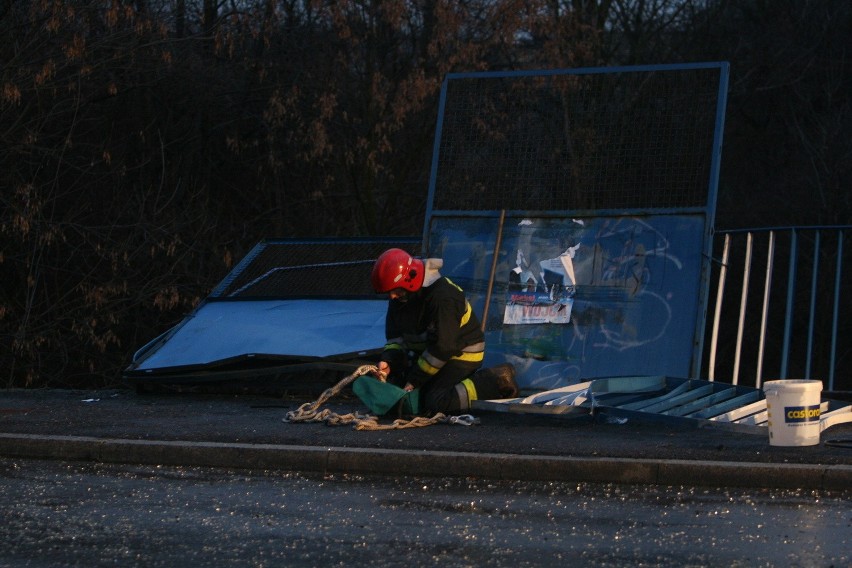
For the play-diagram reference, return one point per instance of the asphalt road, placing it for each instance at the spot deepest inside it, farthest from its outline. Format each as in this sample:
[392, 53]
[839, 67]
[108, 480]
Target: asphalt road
[56, 513]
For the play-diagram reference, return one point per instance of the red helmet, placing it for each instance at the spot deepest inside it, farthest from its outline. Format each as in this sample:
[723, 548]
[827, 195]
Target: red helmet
[395, 268]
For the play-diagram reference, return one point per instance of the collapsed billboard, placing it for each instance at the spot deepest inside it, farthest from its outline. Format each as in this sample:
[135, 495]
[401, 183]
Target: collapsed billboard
[575, 207]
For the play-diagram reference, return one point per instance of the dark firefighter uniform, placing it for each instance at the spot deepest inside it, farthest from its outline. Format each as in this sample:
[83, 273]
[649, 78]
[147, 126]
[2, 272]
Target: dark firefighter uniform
[435, 343]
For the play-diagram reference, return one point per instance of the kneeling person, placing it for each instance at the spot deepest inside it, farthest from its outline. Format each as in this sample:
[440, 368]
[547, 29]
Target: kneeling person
[434, 339]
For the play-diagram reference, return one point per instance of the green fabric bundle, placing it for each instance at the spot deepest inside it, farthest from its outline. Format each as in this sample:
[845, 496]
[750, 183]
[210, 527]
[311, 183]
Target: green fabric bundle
[381, 397]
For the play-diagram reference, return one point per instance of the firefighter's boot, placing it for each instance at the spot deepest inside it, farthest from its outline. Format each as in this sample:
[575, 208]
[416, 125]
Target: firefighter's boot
[504, 376]
[492, 383]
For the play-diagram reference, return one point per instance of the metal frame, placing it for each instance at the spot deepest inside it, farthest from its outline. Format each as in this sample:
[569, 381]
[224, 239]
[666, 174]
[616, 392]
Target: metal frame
[792, 286]
[708, 211]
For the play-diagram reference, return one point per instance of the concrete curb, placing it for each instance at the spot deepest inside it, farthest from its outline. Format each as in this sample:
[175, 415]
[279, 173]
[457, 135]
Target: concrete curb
[368, 461]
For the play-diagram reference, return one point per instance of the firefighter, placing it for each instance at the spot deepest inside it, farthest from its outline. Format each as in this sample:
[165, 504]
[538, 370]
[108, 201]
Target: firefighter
[434, 339]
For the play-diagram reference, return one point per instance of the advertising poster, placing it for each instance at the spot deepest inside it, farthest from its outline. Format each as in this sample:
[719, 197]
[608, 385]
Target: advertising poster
[540, 291]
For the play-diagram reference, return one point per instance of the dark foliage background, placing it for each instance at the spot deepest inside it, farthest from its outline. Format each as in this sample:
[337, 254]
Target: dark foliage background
[148, 144]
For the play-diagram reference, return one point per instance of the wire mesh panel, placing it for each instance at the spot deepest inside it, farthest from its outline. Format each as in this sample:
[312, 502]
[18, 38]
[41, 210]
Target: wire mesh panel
[308, 268]
[581, 140]
[287, 303]
[576, 207]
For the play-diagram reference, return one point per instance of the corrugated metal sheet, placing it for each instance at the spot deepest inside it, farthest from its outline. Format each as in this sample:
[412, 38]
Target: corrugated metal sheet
[692, 402]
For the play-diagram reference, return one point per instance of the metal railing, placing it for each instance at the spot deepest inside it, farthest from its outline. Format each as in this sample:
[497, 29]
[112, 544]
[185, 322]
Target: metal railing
[793, 328]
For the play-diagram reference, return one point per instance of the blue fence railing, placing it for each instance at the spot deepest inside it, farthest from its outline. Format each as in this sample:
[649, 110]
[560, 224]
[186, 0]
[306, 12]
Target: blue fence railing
[781, 306]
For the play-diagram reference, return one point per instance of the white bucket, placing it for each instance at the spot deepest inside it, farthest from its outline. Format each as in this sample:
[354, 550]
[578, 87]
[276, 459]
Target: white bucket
[793, 407]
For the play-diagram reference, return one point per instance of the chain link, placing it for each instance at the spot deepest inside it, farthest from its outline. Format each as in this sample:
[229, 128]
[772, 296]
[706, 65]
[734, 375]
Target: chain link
[310, 411]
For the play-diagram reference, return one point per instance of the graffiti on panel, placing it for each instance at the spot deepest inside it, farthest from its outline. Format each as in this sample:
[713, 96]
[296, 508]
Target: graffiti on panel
[629, 250]
[583, 297]
[611, 284]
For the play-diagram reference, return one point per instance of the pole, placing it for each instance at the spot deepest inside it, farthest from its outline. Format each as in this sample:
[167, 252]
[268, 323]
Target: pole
[493, 267]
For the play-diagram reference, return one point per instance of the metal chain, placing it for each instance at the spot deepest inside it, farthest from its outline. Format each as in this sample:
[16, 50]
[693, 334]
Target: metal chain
[310, 411]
